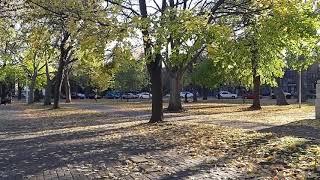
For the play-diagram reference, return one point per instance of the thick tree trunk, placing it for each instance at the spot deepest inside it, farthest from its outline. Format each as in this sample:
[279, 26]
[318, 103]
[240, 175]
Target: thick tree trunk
[58, 84]
[256, 92]
[256, 78]
[47, 93]
[205, 93]
[3, 91]
[48, 89]
[175, 88]
[303, 87]
[31, 89]
[65, 56]
[37, 95]
[281, 97]
[155, 70]
[19, 91]
[195, 97]
[67, 86]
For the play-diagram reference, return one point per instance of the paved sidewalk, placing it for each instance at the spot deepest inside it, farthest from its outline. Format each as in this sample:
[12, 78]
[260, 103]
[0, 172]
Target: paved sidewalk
[100, 147]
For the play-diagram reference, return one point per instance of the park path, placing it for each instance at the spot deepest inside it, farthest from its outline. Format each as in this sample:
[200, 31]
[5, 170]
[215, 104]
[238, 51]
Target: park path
[40, 150]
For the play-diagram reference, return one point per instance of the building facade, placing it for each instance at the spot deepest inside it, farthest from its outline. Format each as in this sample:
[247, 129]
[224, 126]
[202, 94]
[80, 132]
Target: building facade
[290, 81]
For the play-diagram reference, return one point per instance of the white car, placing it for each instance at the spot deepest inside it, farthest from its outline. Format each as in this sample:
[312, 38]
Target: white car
[227, 95]
[183, 94]
[129, 96]
[144, 95]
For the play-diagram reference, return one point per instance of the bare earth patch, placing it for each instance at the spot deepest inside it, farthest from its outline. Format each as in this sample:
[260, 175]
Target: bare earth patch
[111, 140]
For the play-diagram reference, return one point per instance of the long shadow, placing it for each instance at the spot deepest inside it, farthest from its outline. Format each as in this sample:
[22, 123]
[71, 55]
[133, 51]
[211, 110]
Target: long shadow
[282, 159]
[232, 153]
[247, 125]
[301, 128]
[208, 107]
[35, 155]
[27, 125]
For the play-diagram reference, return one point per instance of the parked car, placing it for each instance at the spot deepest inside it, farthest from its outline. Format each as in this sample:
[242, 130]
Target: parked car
[250, 96]
[112, 95]
[75, 95]
[183, 94]
[144, 95]
[81, 96]
[91, 96]
[288, 95]
[226, 95]
[129, 96]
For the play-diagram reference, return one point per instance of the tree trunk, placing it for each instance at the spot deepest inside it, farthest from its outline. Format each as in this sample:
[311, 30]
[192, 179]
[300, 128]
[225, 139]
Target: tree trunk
[195, 97]
[47, 93]
[3, 91]
[19, 91]
[175, 88]
[256, 92]
[205, 93]
[31, 89]
[58, 84]
[303, 87]
[256, 78]
[37, 95]
[67, 86]
[48, 89]
[281, 97]
[65, 56]
[155, 70]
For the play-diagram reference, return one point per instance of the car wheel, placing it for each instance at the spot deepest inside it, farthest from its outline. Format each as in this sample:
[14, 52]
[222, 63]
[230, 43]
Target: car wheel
[233, 97]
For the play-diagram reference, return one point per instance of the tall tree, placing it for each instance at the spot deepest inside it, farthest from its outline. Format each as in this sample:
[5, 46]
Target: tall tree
[36, 54]
[72, 22]
[268, 34]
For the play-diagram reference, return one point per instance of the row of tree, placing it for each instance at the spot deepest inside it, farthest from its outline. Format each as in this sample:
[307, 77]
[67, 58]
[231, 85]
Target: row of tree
[243, 42]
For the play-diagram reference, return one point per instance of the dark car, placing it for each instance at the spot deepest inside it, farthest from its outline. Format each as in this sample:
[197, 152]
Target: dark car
[250, 96]
[288, 95]
[75, 95]
[92, 96]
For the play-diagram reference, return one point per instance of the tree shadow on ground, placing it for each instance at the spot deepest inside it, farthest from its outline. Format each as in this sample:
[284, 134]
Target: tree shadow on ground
[34, 155]
[246, 125]
[206, 106]
[303, 129]
[269, 167]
